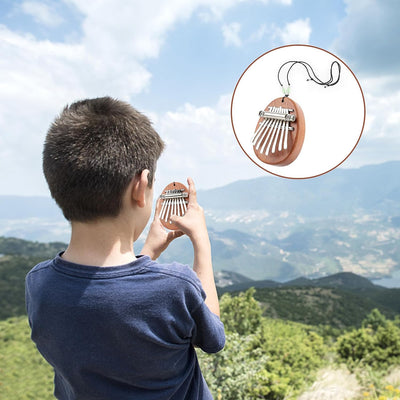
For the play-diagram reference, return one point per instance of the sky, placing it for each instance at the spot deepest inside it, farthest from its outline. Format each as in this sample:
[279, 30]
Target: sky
[178, 62]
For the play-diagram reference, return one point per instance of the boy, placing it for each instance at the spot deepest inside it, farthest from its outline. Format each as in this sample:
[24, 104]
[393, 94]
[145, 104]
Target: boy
[113, 325]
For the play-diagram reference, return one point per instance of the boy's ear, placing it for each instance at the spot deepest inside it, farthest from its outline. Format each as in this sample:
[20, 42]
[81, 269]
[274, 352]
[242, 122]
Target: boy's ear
[140, 183]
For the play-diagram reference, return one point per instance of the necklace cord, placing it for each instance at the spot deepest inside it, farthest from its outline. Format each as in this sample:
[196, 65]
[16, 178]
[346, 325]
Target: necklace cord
[311, 75]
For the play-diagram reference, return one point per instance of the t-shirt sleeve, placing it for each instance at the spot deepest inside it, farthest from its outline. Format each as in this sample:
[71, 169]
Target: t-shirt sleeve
[209, 332]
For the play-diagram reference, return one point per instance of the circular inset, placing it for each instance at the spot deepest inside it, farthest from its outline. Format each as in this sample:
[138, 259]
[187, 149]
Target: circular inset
[175, 198]
[333, 116]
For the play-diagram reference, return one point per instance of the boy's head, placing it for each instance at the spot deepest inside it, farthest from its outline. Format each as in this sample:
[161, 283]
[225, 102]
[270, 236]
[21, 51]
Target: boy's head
[92, 151]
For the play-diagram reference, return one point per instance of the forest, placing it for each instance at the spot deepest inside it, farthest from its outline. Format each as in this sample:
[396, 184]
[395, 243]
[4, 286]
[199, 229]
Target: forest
[268, 355]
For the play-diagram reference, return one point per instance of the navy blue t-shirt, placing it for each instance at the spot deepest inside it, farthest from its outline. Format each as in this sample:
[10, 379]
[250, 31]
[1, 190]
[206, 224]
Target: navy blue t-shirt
[124, 332]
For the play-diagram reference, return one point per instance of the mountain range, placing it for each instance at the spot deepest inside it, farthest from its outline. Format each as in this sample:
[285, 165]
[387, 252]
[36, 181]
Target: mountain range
[271, 228]
[339, 300]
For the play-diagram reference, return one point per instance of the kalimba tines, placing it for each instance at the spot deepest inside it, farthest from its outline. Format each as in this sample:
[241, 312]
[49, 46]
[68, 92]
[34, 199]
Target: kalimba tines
[279, 134]
[175, 198]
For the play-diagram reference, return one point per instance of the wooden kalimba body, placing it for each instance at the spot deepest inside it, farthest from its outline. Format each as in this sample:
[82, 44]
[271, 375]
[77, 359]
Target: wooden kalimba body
[175, 198]
[279, 134]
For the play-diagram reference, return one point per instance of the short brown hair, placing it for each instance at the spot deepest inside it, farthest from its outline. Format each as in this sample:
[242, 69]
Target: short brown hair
[92, 151]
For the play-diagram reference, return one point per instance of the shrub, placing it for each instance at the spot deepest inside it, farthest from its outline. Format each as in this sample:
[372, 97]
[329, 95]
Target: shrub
[376, 344]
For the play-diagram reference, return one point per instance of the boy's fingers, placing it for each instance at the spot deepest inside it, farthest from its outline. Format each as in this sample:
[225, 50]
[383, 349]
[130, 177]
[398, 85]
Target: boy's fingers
[173, 235]
[158, 209]
[192, 191]
[175, 219]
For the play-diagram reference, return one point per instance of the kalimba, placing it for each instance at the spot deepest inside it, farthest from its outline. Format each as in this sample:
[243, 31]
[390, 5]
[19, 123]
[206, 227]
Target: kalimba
[279, 134]
[175, 198]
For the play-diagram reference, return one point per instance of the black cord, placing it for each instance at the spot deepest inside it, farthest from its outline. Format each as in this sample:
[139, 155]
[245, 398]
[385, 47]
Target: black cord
[311, 74]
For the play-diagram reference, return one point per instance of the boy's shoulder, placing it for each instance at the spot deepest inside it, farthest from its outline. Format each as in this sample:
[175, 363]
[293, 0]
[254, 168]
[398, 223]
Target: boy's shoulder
[143, 265]
[175, 270]
[43, 265]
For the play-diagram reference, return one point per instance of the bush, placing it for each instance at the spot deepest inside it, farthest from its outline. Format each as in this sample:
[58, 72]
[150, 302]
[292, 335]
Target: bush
[263, 358]
[376, 344]
[241, 313]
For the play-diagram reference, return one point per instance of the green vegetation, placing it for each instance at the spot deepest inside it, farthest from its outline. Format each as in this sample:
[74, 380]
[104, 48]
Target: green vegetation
[264, 358]
[274, 359]
[24, 374]
[376, 343]
[13, 270]
[20, 247]
[267, 354]
[17, 258]
[322, 305]
[269, 359]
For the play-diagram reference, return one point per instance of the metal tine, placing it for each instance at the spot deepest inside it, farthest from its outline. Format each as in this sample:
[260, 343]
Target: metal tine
[260, 128]
[269, 136]
[278, 134]
[178, 208]
[182, 206]
[261, 134]
[163, 208]
[281, 138]
[174, 211]
[272, 139]
[258, 131]
[171, 211]
[281, 134]
[167, 212]
[286, 134]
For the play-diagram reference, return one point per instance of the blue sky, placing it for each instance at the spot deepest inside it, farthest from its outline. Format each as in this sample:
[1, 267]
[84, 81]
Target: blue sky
[178, 61]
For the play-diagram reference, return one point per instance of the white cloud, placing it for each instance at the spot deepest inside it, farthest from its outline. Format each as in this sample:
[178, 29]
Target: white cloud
[297, 32]
[214, 9]
[40, 76]
[368, 35]
[230, 33]
[381, 140]
[368, 43]
[200, 143]
[41, 13]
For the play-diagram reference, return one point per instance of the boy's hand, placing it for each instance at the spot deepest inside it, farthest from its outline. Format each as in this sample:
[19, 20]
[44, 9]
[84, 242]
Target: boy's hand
[158, 238]
[193, 223]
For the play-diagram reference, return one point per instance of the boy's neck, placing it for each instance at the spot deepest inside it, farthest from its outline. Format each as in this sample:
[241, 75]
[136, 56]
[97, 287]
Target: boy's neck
[103, 243]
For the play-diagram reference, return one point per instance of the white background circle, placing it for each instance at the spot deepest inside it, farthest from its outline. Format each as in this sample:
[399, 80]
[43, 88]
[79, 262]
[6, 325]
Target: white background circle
[334, 116]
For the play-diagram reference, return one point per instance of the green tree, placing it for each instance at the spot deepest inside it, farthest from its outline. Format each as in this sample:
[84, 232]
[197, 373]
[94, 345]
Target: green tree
[241, 313]
[374, 320]
[376, 344]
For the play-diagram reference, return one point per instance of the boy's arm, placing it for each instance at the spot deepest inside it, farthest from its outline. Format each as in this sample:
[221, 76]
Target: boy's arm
[193, 223]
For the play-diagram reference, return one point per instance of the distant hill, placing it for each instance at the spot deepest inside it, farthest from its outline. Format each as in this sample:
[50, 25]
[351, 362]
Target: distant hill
[342, 280]
[271, 228]
[334, 307]
[341, 191]
[228, 278]
[340, 300]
